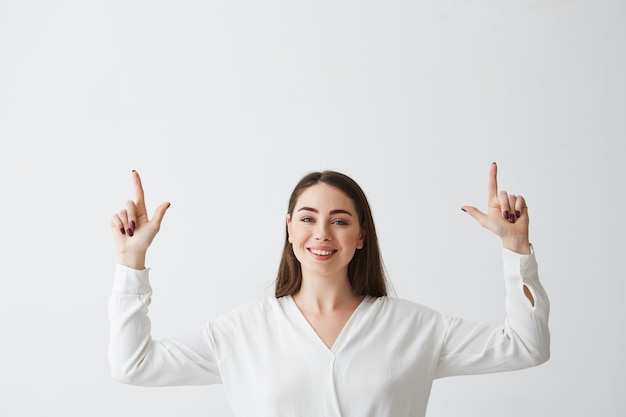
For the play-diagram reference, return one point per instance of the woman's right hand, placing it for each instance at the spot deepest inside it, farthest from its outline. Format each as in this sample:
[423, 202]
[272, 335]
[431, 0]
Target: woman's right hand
[132, 231]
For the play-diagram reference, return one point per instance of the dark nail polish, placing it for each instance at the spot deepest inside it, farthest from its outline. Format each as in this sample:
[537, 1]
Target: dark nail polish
[130, 232]
[132, 225]
[463, 209]
[134, 170]
[506, 214]
[123, 231]
[512, 218]
[517, 213]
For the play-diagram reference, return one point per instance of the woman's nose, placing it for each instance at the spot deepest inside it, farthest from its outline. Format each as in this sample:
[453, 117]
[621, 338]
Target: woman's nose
[322, 233]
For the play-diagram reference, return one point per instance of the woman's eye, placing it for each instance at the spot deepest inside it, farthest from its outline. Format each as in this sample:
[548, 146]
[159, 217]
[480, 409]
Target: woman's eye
[306, 220]
[340, 222]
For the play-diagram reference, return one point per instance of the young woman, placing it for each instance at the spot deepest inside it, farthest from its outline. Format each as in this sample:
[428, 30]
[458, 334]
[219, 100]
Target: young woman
[331, 343]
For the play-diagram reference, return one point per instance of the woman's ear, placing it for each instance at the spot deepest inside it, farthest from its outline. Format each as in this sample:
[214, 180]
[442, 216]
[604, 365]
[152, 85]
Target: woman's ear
[289, 227]
[361, 241]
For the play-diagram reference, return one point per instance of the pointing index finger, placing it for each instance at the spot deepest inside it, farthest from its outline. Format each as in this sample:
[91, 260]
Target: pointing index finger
[492, 188]
[139, 197]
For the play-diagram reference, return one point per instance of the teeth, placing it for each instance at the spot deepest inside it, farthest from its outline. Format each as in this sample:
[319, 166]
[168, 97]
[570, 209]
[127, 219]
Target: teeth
[321, 252]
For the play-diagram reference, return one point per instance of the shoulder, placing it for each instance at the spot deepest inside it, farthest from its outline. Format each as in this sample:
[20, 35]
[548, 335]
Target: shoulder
[254, 316]
[407, 322]
[251, 310]
[401, 309]
[248, 325]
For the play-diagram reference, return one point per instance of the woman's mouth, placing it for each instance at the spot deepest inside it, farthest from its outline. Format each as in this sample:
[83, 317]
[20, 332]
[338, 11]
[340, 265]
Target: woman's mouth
[322, 253]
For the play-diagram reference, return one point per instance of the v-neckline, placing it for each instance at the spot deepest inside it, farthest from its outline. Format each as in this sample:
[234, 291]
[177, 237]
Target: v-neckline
[315, 337]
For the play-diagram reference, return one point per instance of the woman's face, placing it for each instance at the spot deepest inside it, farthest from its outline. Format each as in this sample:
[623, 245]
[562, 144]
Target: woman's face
[324, 230]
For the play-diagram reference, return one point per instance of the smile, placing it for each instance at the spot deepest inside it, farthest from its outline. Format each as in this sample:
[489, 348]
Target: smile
[321, 252]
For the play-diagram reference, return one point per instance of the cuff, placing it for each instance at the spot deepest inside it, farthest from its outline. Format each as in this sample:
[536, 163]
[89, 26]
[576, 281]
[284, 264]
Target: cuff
[519, 267]
[131, 281]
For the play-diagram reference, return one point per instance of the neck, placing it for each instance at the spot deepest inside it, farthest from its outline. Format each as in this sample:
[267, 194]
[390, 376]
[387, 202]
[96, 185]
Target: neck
[326, 294]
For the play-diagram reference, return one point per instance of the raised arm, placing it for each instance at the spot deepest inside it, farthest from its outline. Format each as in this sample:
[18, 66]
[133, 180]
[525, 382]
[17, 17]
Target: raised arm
[132, 231]
[134, 357]
[524, 339]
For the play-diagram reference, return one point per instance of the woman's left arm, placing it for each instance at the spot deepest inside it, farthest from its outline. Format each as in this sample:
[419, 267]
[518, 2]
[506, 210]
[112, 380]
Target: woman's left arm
[524, 339]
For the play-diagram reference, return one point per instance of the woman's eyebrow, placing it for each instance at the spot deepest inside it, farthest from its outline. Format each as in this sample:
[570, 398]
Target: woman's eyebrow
[337, 211]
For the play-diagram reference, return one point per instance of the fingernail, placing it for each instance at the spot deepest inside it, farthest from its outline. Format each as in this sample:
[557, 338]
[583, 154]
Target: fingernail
[463, 209]
[130, 232]
[123, 231]
[132, 225]
[134, 170]
[512, 218]
[506, 214]
[517, 213]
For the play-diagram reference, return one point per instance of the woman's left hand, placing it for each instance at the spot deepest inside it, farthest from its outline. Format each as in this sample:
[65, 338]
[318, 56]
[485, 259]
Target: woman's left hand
[507, 216]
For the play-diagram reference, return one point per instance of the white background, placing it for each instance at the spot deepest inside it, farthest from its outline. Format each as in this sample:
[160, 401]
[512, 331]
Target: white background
[223, 105]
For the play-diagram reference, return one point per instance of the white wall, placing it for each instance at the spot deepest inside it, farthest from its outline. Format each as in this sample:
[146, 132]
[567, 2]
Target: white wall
[222, 106]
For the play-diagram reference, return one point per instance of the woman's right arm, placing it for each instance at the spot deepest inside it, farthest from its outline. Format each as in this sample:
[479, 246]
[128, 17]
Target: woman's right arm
[134, 357]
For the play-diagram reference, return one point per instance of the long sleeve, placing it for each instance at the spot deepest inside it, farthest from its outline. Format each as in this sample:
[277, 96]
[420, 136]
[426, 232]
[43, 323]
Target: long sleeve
[135, 358]
[522, 341]
[272, 363]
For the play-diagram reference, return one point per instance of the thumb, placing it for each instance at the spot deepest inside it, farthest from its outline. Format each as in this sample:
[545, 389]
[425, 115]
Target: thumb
[478, 215]
[159, 213]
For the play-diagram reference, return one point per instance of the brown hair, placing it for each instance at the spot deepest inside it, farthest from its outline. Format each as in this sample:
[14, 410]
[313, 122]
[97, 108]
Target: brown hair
[365, 271]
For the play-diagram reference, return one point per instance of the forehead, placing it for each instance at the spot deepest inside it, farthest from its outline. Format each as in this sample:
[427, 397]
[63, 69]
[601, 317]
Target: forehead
[322, 196]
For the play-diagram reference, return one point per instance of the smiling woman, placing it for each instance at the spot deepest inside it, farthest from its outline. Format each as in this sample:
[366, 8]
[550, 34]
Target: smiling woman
[331, 342]
[319, 199]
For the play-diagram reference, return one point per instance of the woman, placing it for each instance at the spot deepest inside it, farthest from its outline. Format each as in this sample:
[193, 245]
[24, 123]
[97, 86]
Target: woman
[331, 343]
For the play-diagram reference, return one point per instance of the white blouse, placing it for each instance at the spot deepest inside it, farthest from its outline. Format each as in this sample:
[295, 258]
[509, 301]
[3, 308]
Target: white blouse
[272, 363]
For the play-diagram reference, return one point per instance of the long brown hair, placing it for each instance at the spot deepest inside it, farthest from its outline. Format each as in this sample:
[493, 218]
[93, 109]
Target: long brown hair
[365, 271]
